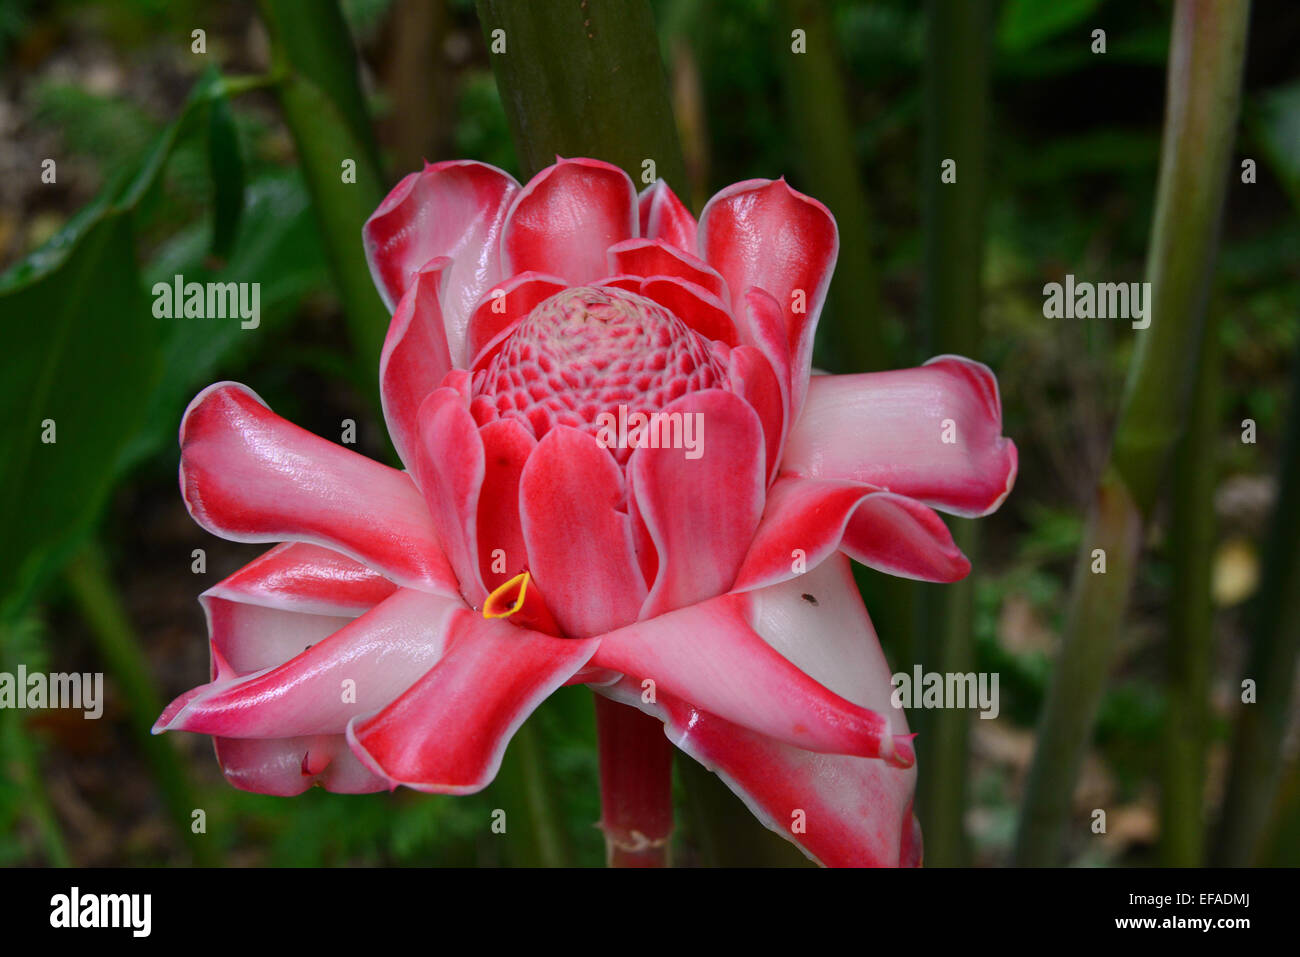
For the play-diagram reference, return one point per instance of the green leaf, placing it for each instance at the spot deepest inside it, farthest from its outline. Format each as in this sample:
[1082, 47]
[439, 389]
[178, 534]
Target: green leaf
[81, 350]
[227, 170]
[1026, 23]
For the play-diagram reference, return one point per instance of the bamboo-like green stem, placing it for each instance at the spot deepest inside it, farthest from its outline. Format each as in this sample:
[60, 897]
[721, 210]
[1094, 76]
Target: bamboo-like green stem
[956, 127]
[817, 107]
[584, 79]
[320, 95]
[1275, 647]
[1190, 639]
[97, 601]
[1205, 65]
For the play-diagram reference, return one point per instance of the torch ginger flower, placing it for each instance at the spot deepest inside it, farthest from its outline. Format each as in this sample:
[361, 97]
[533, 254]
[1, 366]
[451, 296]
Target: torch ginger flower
[518, 551]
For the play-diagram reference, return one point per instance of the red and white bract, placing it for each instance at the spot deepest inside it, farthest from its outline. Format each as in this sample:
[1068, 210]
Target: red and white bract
[410, 620]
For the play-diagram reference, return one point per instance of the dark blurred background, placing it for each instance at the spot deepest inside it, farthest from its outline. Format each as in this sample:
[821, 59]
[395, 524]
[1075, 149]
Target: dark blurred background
[1074, 141]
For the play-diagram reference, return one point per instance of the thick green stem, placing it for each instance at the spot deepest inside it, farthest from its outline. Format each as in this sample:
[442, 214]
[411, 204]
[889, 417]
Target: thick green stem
[584, 78]
[97, 601]
[1205, 66]
[1190, 641]
[321, 97]
[817, 106]
[1275, 647]
[1093, 620]
[956, 128]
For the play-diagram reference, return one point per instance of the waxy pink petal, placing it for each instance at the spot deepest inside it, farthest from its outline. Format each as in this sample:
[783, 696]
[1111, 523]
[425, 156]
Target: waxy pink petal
[289, 766]
[447, 734]
[358, 669]
[850, 811]
[625, 282]
[933, 433]
[763, 328]
[841, 810]
[249, 476]
[507, 445]
[710, 655]
[700, 507]
[656, 257]
[562, 222]
[806, 520]
[455, 209]
[580, 548]
[249, 637]
[415, 357]
[663, 216]
[449, 469]
[762, 234]
[752, 378]
[295, 576]
[283, 602]
[692, 304]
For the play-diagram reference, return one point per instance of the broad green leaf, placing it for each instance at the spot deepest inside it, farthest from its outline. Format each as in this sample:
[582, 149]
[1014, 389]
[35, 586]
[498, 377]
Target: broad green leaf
[82, 348]
[81, 351]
